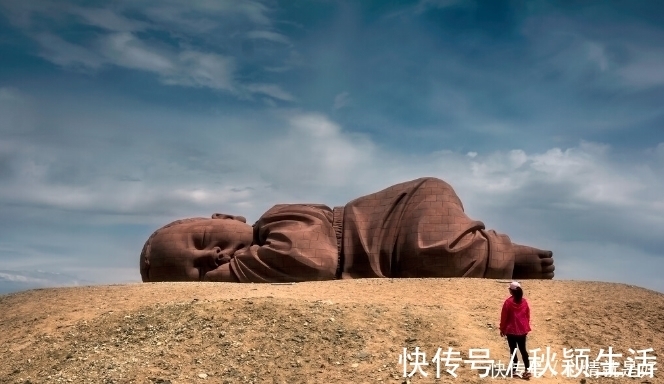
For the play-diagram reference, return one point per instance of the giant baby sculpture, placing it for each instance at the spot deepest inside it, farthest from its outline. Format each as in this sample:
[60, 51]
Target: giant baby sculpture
[413, 229]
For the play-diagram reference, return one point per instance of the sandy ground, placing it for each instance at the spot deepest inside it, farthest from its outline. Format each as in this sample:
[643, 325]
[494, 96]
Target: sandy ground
[337, 331]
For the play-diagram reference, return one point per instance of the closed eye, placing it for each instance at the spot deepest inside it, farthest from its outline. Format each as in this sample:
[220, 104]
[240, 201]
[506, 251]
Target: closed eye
[199, 242]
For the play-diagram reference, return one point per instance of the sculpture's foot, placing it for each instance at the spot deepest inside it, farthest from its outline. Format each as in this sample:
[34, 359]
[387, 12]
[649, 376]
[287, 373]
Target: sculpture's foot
[532, 263]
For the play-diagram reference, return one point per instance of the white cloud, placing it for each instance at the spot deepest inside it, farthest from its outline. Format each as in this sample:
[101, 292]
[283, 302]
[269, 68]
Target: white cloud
[15, 115]
[66, 54]
[626, 53]
[109, 19]
[341, 100]
[314, 153]
[125, 50]
[659, 151]
[190, 16]
[182, 64]
[203, 70]
[315, 156]
[587, 173]
[199, 17]
[271, 90]
[185, 68]
[305, 154]
[588, 168]
[15, 277]
[38, 278]
[424, 5]
[646, 68]
[254, 11]
[245, 163]
[81, 165]
[268, 35]
[175, 18]
[9, 94]
[597, 54]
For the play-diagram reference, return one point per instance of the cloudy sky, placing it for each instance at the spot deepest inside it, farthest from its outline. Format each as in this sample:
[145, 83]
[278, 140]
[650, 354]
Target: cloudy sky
[116, 119]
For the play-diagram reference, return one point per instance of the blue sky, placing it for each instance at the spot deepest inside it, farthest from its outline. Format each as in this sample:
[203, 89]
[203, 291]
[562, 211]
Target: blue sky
[116, 118]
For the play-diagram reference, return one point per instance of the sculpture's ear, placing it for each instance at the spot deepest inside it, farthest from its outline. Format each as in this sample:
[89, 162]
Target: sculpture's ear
[232, 217]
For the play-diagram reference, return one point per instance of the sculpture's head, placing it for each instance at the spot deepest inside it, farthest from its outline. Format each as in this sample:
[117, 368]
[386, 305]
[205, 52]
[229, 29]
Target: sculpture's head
[185, 250]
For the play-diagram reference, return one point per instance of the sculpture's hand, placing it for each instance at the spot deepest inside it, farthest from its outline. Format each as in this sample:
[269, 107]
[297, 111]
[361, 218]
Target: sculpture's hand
[223, 274]
[224, 259]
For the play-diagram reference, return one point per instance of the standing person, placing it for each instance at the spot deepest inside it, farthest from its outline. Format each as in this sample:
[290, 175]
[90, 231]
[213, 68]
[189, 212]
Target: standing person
[515, 324]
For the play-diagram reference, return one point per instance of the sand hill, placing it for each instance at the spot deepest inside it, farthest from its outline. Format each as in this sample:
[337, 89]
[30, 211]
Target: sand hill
[339, 331]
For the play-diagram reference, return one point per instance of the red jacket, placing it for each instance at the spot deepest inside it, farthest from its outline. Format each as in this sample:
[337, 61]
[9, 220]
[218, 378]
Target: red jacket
[515, 318]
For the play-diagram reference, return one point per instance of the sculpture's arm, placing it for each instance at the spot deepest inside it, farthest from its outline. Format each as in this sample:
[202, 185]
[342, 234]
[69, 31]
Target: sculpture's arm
[291, 243]
[222, 273]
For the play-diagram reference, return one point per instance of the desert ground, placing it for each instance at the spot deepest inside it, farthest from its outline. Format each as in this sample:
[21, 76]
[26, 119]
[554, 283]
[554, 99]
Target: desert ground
[316, 332]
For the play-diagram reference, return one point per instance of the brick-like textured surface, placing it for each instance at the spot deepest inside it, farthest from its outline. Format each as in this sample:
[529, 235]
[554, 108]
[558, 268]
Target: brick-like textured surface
[292, 242]
[419, 229]
[413, 229]
[187, 249]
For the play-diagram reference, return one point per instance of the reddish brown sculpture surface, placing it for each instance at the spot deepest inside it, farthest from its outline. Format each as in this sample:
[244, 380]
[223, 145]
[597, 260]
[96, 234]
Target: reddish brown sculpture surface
[412, 229]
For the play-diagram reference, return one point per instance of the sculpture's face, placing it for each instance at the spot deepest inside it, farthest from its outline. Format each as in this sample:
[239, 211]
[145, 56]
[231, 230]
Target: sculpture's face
[187, 251]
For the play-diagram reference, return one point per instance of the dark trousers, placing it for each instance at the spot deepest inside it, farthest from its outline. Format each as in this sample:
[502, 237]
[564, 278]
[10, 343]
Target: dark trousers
[515, 341]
